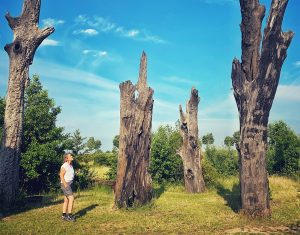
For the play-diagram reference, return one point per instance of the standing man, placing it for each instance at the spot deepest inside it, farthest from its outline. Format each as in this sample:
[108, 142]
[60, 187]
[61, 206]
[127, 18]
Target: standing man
[66, 179]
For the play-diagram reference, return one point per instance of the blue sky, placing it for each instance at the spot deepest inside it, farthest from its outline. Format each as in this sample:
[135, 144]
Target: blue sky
[98, 44]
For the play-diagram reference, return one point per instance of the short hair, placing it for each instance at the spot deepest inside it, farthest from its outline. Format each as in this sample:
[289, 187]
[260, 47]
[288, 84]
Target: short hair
[66, 155]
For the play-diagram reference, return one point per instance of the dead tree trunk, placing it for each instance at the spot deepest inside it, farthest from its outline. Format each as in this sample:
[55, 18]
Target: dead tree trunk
[27, 38]
[190, 151]
[255, 81]
[133, 183]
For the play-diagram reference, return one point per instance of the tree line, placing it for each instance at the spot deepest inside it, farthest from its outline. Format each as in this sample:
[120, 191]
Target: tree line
[44, 144]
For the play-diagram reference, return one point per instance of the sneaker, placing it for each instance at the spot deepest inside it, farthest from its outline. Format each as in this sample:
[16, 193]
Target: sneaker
[64, 217]
[70, 218]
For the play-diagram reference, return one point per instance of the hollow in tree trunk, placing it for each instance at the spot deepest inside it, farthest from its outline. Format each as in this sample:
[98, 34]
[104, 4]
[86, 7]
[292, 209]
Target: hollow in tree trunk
[190, 150]
[133, 183]
[27, 38]
[255, 81]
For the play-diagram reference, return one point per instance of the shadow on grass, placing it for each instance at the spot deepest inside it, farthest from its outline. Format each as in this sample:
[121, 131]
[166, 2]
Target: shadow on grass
[159, 190]
[83, 211]
[30, 203]
[232, 197]
[295, 228]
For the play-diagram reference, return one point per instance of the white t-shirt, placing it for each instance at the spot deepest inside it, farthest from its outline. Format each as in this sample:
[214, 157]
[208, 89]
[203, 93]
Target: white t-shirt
[69, 175]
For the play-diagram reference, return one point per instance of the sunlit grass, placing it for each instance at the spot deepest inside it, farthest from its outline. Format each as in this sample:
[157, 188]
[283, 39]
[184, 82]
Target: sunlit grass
[172, 212]
[100, 171]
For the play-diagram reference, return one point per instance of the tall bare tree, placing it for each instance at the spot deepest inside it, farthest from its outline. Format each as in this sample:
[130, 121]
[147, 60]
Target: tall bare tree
[133, 183]
[27, 38]
[255, 81]
[190, 150]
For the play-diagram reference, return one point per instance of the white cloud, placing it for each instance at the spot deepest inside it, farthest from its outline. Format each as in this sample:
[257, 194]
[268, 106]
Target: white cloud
[81, 19]
[152, 38]
[120, 30]
[102, 53]
[180, 80]
[297, 64]
[288, 93]
[88, 32]
[50, 22]
[105, 25]
[86, 51]
[50, 42]
[73, 75]
[222, 109]
[132, 33]
[101, 23]
[95, 53]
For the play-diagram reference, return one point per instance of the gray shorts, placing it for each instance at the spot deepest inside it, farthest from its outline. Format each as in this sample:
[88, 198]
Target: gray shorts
[67, 190]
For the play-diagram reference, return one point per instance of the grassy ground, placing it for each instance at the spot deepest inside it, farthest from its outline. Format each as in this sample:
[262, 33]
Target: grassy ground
[172, 212]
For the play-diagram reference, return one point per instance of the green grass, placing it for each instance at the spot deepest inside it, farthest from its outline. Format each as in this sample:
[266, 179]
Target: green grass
[172, 212]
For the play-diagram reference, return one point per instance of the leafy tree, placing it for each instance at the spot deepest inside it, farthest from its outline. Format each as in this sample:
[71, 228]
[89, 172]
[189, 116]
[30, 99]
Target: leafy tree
[105, 159]
[116, 141]
[41, 146]
[210, 173]
[208, 139]
[166, 164]
[40, 116]
[93, 145]
[40, 165]
[228, 141]
[224, 160]
[236, 137]
[75, 143]
[284, 149]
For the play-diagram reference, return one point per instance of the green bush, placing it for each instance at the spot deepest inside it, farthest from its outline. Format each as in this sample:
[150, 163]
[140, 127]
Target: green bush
[112, 173]
[105, 159]
[210, 173]
[40, 166]
[83, 176]
[224, 160]
[165, 164]
[283, 155]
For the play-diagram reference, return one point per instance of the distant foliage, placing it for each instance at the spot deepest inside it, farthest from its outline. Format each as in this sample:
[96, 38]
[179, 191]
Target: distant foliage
[105, 159]
[83, 176]
[210, 173]
[229, 141]
[208, 139]
[236, 137]
[75, 143]
[224, 160]
[116, 141]
[93, 145]
[112, 159]
[165, 164]
[283, 155]
[112, 173]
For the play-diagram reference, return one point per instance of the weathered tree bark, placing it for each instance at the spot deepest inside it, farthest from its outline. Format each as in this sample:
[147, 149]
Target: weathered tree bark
[255, 82]
[27, 38]
[133, 183]
[190, 151]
